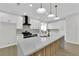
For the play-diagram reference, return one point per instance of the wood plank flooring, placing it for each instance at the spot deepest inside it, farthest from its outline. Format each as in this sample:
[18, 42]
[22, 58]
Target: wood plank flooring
[8, 51]
[69, 50]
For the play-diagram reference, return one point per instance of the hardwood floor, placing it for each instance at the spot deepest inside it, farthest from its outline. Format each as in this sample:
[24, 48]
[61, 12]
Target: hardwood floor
[72, 48]
[9, 51]
[69, 50]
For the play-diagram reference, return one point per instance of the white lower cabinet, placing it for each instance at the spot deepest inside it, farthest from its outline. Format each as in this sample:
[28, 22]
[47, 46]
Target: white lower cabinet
[7, 34]
[56, 25]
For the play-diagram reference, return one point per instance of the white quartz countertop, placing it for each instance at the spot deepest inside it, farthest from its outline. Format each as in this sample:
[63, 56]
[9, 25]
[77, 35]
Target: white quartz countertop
[30, 45]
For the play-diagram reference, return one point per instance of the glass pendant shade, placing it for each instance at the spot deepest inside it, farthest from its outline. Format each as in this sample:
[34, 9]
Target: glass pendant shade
[51, 15]
[41, 10]
[56, 18]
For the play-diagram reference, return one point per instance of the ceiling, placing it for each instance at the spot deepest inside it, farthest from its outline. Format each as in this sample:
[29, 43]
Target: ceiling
[64, 10]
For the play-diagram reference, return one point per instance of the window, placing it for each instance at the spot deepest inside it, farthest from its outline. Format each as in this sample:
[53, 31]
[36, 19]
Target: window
[43, 26]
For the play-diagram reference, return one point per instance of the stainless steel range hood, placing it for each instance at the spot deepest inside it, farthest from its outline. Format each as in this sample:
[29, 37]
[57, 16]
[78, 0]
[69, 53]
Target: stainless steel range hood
[26, 22]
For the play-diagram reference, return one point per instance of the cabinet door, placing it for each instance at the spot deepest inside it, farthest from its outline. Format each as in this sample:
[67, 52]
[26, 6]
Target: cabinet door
[8, 18]
[56, 25]
[48, 50]
[12, 21]
[35, 24]
[52, 49]
[57, 44]
[40, 53]
[20, 23]
[3, 19]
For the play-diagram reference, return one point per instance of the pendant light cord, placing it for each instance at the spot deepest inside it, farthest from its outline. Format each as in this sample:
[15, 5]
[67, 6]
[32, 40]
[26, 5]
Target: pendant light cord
[56, 9]
[50, 8]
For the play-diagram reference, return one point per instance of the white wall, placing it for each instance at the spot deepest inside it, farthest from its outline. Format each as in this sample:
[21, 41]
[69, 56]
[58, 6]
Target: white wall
[72, 29]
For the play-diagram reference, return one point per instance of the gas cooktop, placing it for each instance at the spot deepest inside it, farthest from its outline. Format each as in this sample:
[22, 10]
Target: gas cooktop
[27, 34]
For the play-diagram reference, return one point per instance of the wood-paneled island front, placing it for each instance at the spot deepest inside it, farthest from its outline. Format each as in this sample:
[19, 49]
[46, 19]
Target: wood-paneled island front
[50, 50]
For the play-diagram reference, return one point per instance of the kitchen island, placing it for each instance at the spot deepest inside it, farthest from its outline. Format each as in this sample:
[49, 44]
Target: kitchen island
[40, 46]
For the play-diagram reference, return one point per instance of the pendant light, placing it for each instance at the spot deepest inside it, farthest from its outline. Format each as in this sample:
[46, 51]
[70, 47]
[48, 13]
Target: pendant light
[56, 18]
[41, 10]
[51, 14]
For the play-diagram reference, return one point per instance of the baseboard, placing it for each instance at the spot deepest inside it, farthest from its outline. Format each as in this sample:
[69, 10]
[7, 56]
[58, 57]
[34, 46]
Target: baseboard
[72, 42]
[8, 45]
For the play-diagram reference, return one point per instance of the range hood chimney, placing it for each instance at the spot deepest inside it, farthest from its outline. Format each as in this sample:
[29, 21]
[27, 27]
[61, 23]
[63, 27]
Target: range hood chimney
[26, 22]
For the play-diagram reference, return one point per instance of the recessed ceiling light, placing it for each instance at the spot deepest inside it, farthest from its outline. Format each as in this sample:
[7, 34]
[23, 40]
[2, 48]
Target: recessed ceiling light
[24, 13]
[30, 5]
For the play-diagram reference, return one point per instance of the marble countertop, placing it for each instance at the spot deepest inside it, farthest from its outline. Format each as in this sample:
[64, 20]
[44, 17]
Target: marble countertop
[30, 45]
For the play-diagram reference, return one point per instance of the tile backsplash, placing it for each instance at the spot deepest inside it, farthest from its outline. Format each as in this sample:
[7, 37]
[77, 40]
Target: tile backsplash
[26, 28]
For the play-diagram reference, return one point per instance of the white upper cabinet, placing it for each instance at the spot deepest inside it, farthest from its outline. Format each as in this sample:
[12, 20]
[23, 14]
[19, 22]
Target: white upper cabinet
[35, 24]
[56, 25]
[20, 23]
[7, 18]
[60, 25]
